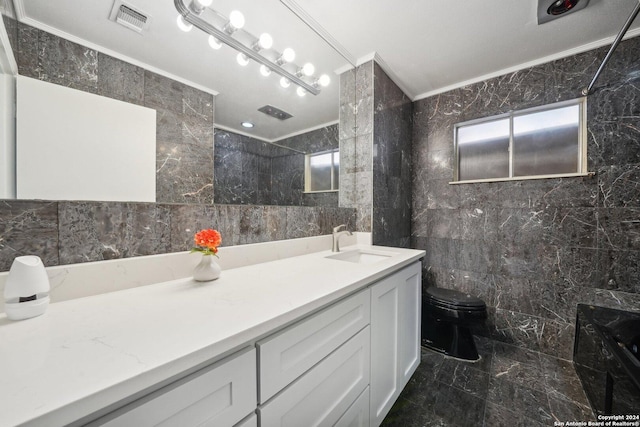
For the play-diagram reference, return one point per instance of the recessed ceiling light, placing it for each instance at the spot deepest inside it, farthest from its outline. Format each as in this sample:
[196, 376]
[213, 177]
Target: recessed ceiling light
[247, 125]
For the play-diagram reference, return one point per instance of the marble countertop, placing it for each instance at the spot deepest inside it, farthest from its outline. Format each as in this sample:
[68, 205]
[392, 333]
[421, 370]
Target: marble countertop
[88, 353]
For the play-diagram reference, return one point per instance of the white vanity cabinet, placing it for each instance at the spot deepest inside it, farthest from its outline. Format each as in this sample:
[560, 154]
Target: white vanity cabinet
[221, 394]
[395, 337]
[257, 348]
[316, 373]
[314, 370]
[286, 355]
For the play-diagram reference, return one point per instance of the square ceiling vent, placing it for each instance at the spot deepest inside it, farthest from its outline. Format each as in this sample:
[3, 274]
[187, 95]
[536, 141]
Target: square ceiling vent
[129, 16]
[548, 10]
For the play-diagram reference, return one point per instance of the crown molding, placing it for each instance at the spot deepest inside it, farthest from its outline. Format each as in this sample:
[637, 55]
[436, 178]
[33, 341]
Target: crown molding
[564, 54]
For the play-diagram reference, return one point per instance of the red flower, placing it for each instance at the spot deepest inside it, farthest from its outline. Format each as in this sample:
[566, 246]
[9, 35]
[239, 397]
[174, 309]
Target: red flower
[208, 241]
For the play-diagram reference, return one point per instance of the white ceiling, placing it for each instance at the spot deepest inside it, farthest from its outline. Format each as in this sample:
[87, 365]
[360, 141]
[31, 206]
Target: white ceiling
[433, 45]
[427, 46]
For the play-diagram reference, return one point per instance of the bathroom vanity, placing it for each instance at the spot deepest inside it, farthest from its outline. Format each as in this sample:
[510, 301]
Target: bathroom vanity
[320, 338]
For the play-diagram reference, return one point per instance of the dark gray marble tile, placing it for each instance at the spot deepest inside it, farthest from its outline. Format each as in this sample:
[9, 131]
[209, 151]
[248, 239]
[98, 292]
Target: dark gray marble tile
[442, 253]
[94, 231]
[517, 90]
[619, 186]
[524, 374]
[449, 400]
[28, 228]
[565, 78]
[498, 416]
[518, 354]
[347, 112]
[302, 222]
[66, 63]
[276, 222]
[162, 93]
[557, 338]
[618, 270]
[619, 229]
[27, 52]
[479, 224]
[463, 376]
[516, 328]
[521, 399]
[478, 256]
[562, 409]
[120, 80]
[562, 381]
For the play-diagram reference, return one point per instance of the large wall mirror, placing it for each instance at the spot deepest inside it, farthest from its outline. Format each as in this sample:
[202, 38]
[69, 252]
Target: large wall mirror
[202, 96]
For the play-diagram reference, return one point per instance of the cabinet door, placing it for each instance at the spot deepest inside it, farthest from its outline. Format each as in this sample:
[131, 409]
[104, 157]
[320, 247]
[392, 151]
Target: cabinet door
[395, 337]
[384, 347]
[219, 395]
[410, 301]
[323, 394]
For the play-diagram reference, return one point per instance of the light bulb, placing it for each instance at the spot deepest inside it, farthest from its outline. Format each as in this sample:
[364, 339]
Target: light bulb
[204, 3]
[214, 43]
[308, 69]
[236, 19]
[265, 41]
[247, 125]
[265, 71]
[183, 25]
[301, 92]
[284, 82]
[242, 59]
[289, 54]
[324, 80]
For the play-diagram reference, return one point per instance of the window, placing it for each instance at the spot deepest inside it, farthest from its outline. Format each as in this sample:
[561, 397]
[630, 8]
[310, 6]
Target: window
[322, 171]
[539, 142]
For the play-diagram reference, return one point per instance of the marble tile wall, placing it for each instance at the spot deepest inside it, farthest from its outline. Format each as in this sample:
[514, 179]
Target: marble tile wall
[242, 169]
[392, 127]
[74, 232]
[534, 249]
[184, 136]
[251, 171]
[356, 143]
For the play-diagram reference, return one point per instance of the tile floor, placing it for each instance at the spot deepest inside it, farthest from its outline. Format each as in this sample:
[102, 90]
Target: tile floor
[508, 386]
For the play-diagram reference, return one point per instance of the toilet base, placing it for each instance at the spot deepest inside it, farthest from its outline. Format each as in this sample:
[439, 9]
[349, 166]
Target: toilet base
[449, 338]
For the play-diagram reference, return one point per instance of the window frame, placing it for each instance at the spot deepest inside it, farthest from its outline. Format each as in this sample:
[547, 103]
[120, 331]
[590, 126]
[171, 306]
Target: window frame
[511, 115]
[334, 171]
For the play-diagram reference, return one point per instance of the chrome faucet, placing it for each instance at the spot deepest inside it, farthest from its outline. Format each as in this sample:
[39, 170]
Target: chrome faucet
[336, 236]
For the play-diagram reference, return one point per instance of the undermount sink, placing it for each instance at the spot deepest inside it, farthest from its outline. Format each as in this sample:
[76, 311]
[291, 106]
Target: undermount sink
[360, 256]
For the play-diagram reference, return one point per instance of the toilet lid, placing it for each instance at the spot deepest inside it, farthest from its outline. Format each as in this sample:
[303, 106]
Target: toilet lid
[453, 298]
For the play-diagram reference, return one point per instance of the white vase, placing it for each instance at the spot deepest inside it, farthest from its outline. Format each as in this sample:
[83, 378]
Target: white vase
[208, 269]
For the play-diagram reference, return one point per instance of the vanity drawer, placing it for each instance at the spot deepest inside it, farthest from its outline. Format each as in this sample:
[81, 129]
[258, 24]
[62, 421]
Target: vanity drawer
[219, 395]
[324, 394]
[285, 356]
[358, 414]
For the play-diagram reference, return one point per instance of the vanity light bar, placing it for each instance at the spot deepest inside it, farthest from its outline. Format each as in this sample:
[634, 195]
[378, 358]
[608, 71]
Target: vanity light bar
[189, 16]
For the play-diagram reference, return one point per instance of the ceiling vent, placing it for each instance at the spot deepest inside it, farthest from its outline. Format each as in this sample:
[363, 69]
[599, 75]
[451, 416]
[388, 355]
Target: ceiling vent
[548, 10]
[128, 16]
[272, 111]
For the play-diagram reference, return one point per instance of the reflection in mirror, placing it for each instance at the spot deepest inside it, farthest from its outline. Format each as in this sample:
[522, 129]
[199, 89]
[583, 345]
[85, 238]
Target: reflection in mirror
[248, 171]
[194, 89]
[322, 171]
